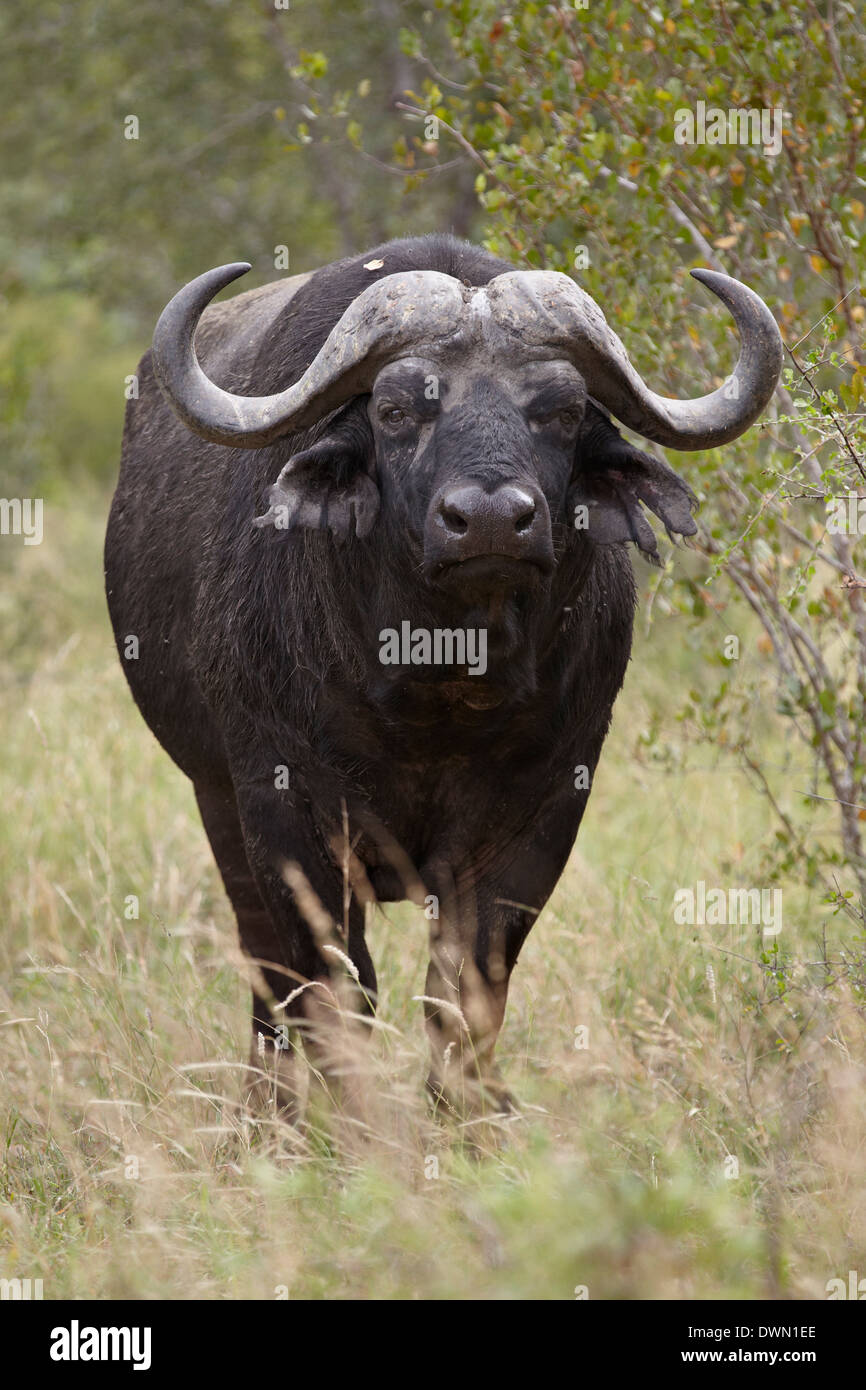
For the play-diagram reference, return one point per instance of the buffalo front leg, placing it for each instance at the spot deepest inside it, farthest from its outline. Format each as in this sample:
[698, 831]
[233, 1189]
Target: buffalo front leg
[312, 925]
[465, 995]
[475, 941]
[274, 1080]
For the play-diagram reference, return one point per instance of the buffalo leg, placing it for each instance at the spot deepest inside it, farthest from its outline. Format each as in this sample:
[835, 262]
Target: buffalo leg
[302, 929]
[483, 923]
[270, 1050]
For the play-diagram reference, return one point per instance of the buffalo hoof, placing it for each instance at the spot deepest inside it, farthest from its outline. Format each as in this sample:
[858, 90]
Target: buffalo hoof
[474, 1098]
[273, 1086]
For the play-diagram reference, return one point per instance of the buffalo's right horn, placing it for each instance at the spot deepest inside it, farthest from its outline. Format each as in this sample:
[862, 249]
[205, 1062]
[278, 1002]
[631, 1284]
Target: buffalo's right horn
[391, 315]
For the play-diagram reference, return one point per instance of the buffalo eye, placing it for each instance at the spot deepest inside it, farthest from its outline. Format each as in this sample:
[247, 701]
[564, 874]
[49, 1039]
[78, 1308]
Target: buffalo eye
[568, 419]
[393, 415]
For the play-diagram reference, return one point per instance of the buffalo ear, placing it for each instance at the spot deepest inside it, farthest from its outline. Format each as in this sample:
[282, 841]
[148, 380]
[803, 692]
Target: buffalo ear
[612, 478]
[329, 486]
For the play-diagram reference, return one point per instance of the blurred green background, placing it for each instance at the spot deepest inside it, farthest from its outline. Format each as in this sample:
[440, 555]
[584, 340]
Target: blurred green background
[97, 230]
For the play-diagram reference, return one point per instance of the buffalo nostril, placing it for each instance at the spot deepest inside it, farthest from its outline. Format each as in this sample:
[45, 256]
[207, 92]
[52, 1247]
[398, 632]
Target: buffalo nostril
[454, 521]
[477, 520]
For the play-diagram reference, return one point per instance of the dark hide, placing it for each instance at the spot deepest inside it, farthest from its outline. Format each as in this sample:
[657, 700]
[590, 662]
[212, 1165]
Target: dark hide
[257, 583]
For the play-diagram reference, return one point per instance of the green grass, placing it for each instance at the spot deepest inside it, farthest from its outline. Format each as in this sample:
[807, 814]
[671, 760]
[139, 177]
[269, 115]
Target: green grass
[121, 1038]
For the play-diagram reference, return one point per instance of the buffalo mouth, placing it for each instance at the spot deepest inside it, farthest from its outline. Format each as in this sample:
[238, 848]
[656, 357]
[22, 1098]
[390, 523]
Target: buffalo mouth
[486, 576]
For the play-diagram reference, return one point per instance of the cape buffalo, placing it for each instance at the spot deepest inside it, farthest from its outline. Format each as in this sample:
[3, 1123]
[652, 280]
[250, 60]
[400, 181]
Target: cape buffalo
[373, 550]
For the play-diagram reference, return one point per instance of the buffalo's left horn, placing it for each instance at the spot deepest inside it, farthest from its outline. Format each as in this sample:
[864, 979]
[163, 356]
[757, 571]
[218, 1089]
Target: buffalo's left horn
[547, 309]
[390, 315]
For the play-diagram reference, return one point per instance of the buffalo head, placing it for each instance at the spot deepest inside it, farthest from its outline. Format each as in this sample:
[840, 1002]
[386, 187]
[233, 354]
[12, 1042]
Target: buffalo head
[475, 417]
